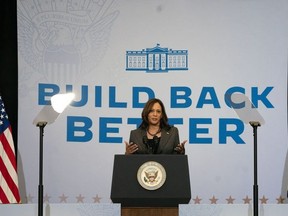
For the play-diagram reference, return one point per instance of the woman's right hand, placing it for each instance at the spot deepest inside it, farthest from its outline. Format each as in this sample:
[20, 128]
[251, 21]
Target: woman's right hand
[131, 148]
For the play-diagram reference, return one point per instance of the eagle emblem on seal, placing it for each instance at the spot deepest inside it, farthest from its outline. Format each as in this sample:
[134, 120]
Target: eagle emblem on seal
[151, 175]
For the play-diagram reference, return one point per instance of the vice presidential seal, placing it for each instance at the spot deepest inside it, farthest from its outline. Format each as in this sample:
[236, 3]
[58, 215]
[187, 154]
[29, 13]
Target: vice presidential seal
[151, 175]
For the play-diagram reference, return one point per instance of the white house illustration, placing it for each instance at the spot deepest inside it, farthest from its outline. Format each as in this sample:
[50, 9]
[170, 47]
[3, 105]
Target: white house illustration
[157, 60]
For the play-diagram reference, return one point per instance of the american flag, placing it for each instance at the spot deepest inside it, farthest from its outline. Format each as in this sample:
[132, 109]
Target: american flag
[9, 192]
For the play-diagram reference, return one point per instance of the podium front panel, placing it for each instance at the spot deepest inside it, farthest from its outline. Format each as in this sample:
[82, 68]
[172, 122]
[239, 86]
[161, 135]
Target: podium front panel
[127, 190]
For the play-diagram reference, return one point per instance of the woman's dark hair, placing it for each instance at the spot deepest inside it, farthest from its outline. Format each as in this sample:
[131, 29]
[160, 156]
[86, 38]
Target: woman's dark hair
[147, 109]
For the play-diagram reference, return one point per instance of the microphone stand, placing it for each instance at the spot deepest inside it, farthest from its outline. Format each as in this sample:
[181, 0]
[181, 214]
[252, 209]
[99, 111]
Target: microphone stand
[41, 126]
[255, 125]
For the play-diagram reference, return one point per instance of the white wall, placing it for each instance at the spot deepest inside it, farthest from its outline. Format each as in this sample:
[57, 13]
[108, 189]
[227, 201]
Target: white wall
[230, 44]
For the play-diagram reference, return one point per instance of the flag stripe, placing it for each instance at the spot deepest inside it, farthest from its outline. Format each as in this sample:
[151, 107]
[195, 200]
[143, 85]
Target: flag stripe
[8, 147]
[7, 183]
[3, 197]
[8, 159]
[9, 192]
[8, 156]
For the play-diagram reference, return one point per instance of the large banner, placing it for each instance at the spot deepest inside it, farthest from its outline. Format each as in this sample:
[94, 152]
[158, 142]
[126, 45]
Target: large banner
[115, 55]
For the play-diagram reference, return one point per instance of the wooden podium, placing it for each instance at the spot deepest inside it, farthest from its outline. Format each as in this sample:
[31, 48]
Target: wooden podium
[137, 199]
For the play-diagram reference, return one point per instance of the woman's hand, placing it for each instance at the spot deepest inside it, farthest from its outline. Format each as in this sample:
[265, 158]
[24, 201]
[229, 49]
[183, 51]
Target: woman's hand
[131, 148]
[180, 149]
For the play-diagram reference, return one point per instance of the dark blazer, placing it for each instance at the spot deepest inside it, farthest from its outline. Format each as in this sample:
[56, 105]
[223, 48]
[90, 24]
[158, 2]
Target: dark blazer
[169, 140]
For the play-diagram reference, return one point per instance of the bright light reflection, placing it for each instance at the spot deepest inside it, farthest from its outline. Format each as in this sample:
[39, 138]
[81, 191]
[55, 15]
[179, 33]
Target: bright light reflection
[60, 101]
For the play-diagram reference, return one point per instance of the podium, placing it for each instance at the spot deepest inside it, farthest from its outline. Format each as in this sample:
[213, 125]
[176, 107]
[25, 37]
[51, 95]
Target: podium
[127, 189]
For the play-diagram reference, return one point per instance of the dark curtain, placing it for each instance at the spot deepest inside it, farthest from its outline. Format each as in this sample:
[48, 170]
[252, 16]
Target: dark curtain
[8, 62]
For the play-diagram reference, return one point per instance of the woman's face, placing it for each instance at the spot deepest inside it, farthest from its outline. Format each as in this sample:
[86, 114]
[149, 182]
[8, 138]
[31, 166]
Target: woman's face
[155, 114]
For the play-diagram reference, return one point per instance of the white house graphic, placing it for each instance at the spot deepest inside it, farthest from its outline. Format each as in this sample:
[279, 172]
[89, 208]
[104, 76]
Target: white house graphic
[157, 60]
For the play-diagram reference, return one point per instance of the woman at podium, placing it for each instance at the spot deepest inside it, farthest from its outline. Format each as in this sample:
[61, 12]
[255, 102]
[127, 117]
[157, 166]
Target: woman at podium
[154, 135]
